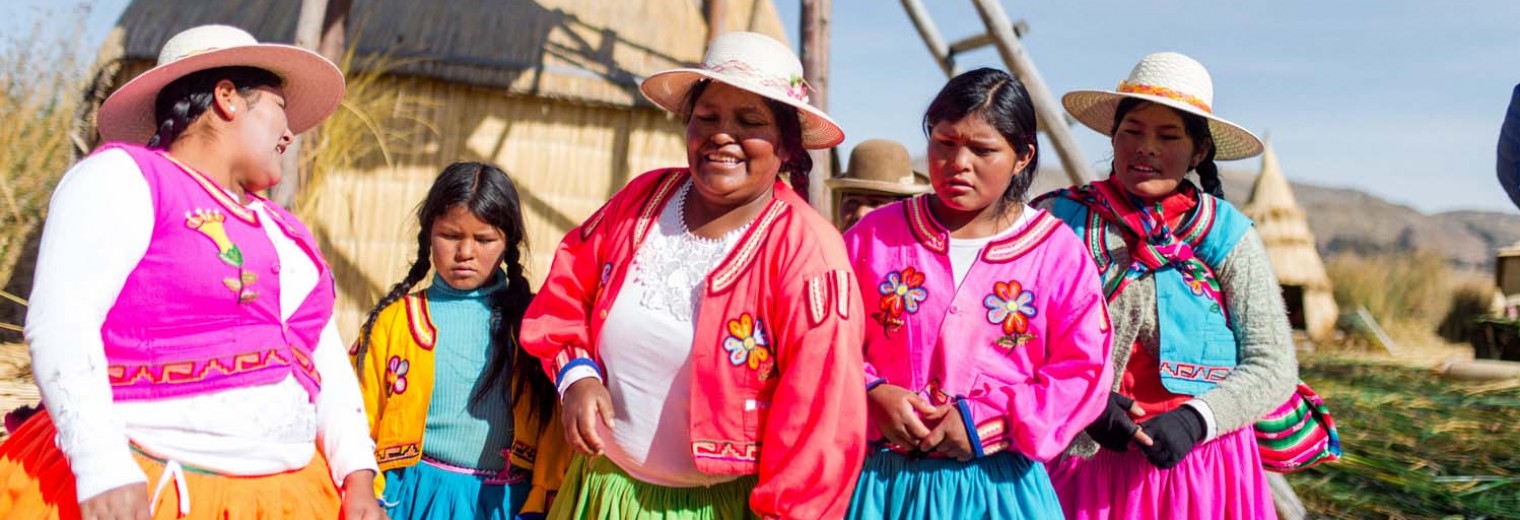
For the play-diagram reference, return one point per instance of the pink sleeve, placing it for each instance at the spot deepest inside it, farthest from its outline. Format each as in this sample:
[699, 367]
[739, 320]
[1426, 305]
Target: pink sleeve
[1041, 415]
[853, 250]
[556, 327]
[813, 445]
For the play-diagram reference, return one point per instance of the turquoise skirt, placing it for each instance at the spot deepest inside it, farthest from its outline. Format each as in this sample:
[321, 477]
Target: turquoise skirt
[425, 491]
[1005, 485]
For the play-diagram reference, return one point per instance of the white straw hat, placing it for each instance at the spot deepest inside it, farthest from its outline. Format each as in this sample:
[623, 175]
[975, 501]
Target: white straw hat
[756, 63]
[1171, 79]
[312, 85]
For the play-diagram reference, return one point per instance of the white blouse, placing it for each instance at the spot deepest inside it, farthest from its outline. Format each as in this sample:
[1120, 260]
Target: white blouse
[645, 345]
[965, 251]
[99, 226]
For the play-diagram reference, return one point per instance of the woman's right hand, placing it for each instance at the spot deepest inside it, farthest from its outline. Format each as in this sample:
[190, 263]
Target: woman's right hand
[900, 414]
[129, 502]
[1115, 427]
[586, 402]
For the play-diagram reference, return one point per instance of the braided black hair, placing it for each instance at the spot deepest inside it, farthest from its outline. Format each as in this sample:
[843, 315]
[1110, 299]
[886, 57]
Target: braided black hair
[489, 194]
[1197, 128]
[183, 101]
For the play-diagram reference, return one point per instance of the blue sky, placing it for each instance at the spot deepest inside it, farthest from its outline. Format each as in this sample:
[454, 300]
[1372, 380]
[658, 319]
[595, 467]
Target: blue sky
[1399, 98]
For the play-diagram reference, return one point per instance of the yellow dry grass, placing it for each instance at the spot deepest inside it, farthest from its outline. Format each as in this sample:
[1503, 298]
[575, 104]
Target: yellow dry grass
[40, 81]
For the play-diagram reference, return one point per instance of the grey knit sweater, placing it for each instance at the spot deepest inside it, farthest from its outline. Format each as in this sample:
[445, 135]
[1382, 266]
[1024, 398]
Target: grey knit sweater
[1268, 368]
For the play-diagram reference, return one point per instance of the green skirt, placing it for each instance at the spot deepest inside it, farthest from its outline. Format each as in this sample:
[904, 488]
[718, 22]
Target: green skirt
[599, 490]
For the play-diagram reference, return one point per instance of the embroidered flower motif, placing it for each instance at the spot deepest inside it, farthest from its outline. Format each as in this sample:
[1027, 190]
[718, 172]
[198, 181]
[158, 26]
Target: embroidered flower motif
[1011, 306]
[746, 345]
[901, 293]
[1202, 284]
[606, 274]
[395, 374]
[935, 392]
[240, 285]
[210, 223]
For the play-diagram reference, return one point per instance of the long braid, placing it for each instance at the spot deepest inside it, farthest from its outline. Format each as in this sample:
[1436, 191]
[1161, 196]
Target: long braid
[183, 101]
[531, 379]
[414, 275]
[177, 119]
[1208, 175]
[502, 335]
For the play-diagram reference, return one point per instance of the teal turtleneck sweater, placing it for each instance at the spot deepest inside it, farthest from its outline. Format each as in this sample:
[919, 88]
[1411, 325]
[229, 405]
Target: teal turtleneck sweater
[459, 431]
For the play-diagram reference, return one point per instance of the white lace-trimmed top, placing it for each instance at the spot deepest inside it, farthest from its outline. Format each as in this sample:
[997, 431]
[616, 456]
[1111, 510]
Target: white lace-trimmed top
[646, 349]
[99, 225]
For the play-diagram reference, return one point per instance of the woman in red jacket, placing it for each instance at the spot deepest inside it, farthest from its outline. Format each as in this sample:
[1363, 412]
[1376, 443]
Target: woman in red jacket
[702, 327]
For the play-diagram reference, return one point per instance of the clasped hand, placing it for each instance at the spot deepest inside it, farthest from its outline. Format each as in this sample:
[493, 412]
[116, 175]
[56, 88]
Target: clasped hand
[911, 422]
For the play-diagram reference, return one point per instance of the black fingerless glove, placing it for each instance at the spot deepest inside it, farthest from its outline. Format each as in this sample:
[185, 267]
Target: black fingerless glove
[1173, 434]
[1114, 428]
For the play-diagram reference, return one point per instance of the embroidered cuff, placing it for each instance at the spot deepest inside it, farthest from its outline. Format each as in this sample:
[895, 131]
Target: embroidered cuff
[1211, 429]
[566, 362]
[970, 424]
[575, 371]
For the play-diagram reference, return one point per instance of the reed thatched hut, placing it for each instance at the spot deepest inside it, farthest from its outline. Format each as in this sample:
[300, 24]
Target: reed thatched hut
[546, 89]
[1507, 276]
[1285, 232]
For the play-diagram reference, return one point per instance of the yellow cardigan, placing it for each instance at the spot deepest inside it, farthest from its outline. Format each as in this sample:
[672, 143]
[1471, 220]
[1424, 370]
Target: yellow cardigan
[396, 399]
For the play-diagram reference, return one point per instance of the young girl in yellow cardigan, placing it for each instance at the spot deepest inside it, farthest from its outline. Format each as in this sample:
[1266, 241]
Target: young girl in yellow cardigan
[465, 426]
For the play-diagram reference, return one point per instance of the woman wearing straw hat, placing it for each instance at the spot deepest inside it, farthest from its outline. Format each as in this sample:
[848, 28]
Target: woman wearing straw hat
[702, 327]
[880, 173]
[1202, 347]
[180, 325]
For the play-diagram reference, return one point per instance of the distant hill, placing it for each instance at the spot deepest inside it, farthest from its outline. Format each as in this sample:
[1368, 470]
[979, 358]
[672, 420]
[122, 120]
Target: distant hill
[1349, 220]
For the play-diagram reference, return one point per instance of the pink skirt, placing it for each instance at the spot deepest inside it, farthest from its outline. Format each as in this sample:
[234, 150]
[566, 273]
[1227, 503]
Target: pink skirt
[1220, 479]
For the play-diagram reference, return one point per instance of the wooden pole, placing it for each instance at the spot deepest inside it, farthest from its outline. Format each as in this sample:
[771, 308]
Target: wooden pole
[335, 30]
[930, 34]
[715, 19]
[308, 34]
[815, 70]
[1289, 507]
[1045, 104]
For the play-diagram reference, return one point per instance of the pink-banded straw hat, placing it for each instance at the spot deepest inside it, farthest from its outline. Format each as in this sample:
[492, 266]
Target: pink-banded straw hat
[312, 86]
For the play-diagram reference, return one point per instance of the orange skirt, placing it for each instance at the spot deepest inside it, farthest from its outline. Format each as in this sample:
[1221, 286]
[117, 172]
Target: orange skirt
[37, 483]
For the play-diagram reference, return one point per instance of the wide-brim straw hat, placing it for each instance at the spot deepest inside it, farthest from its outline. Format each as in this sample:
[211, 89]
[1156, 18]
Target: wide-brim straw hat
[879, 166]
[312, 85]
[1173, 80]
[756, 63]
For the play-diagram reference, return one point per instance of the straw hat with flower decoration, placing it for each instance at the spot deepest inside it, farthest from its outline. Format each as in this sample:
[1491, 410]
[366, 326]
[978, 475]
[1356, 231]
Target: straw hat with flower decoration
[756, 63]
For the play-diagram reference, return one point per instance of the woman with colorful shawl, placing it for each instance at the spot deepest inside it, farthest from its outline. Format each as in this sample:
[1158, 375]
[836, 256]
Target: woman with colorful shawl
[1202, 345]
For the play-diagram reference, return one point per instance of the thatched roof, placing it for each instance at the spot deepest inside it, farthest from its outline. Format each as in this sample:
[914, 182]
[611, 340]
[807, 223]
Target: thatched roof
[1283, 227]
[1512, 250]
[585, 50]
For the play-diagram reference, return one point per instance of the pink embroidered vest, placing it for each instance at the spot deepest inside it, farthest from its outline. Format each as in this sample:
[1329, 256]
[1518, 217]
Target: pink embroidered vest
[201, 312]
